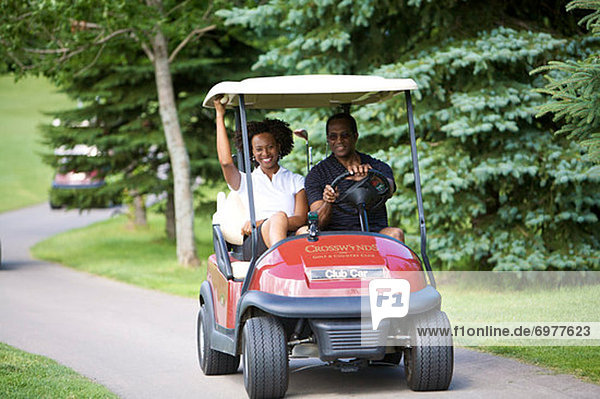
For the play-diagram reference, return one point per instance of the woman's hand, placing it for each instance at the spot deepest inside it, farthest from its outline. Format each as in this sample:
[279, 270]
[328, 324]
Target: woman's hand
[247, 228]
[219, 106]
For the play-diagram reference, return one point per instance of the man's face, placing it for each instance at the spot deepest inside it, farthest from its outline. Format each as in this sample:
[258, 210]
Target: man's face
[340, 138]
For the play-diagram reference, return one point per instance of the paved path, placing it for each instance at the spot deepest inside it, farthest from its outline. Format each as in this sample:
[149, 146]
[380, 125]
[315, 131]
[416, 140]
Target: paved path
[141, 343]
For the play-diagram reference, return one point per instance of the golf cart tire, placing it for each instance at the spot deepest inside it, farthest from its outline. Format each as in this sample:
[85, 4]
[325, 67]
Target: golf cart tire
[212, 362]
[429, 363]
[266, 365]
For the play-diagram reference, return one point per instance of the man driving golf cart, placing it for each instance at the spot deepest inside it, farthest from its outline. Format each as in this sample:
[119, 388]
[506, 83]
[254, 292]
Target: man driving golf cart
[342, 135]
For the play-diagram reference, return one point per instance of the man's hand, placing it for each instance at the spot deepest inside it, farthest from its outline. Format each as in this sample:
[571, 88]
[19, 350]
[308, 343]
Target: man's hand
[358, 172]
[329, 194]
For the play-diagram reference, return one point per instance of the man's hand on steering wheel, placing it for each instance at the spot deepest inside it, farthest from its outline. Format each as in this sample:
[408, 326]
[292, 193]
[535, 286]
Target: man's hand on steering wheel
[358, 172]
[330, 195]
[370, 192]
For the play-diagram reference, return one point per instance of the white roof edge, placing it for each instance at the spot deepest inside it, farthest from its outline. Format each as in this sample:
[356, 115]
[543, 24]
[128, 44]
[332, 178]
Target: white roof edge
[309, 90]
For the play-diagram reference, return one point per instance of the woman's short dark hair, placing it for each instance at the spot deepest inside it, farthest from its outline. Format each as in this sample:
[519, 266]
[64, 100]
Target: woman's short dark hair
[279, 129]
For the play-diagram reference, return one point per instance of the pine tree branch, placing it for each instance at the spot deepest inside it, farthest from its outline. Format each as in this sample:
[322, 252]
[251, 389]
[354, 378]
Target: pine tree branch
[88, 66]
[69, 53]
[182, 4]
[83, 25]
[190, 36]
[208, 10]
[144, 46]
[14, 57]
[148, 52]
[112, 35]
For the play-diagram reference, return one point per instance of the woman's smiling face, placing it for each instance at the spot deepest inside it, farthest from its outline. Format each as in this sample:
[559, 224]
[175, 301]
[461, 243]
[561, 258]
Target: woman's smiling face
[265, 150]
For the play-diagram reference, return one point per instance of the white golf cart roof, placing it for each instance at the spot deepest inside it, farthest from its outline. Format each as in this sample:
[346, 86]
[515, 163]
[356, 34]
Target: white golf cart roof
[308, 91]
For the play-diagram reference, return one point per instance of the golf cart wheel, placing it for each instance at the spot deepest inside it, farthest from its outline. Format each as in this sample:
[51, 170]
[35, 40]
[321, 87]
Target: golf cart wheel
[265, 358]
[429, 363]
[212, 362]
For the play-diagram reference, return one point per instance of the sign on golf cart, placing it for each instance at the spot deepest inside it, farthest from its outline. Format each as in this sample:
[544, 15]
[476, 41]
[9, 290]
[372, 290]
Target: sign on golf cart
[307, 294]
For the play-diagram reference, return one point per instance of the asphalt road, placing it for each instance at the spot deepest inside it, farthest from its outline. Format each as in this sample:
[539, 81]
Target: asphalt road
[141, 343]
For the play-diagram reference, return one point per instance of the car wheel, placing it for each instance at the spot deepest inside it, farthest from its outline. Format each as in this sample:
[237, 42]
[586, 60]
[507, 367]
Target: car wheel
[429, 363]
[212, 362]
[266, 365]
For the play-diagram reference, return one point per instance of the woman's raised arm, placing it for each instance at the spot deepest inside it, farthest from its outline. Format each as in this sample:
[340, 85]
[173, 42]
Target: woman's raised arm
[230, 170]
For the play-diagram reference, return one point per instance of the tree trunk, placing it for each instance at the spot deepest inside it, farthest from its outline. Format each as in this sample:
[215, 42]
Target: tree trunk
[170, 217]
[139, 211]
[180, 162]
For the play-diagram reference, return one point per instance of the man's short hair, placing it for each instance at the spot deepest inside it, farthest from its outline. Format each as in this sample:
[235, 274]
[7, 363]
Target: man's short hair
[342, 116]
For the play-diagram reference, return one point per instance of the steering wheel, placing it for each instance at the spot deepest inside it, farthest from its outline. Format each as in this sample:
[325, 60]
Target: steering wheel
[368, 193]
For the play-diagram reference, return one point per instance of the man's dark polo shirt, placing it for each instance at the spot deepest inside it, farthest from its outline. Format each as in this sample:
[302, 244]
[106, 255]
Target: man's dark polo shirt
[325, 172]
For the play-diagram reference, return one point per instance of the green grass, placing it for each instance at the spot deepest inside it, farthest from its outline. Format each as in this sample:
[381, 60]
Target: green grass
[145, 258]
[564, 304]
[24, 375]
[567, 303]
[141, 256]
[24, 179]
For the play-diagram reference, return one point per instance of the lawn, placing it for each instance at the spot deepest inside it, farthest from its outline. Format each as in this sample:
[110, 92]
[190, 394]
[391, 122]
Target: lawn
[563, 304]
[139, 256]
[24, 179]
[24, 375]
[146, 258]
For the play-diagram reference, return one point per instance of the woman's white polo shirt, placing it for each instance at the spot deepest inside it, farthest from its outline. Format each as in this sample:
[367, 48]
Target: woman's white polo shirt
[274, 195]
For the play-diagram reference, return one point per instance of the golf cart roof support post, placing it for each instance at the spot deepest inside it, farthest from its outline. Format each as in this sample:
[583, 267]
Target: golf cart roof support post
[240, 155]
[307, 155]
[415, 160]
[346, 108]
[247, 167]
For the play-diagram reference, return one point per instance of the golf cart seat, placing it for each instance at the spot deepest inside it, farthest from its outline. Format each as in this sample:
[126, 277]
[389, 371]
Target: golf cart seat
[231, 215]
[229, 220]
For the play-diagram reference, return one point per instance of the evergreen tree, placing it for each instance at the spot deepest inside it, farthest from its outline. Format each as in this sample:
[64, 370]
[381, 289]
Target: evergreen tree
[575, 88]
[500, 192]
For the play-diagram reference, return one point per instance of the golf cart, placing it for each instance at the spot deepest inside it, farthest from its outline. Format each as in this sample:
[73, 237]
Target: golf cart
[68, 184]
[310, 295]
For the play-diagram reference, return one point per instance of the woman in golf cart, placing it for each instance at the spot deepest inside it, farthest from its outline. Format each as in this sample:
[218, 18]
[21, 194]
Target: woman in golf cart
[279, 196]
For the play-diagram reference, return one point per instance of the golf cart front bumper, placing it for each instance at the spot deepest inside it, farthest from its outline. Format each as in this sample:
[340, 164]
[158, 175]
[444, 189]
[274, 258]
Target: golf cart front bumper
[330, 307]
[342, 325]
